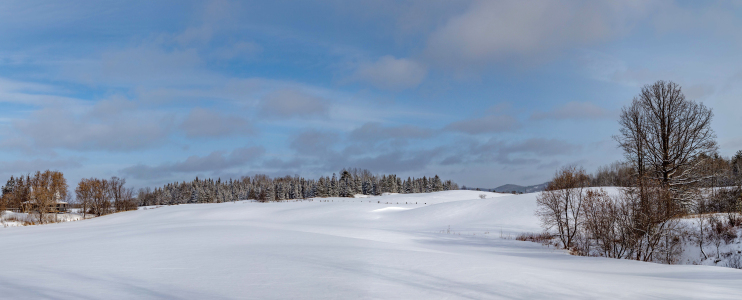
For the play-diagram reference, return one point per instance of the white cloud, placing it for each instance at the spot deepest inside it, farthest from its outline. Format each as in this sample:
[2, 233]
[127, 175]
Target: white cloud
[390, 73]
[145, 66]
[111, 107]
[29, 93]
[529, 151]
[486, 124]
[203, 122]
[374, 132]
[111, 125]
[214, 162]
[573, 111]
[198, 35]
[238, 50]
[501, 30]
[28, 166]
[292, 103]
[313, 142]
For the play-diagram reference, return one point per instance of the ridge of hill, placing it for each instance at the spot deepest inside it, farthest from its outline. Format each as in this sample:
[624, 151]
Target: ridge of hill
[509, 188]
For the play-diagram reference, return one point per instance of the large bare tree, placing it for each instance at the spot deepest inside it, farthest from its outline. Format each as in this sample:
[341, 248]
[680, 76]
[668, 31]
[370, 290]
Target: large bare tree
[84, 195]
[100, 196]
[116, 190]
[47, 188]
[663, 134]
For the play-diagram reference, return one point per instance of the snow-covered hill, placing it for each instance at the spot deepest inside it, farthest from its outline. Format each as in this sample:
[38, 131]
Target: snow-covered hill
[445, 245]
[509, 188]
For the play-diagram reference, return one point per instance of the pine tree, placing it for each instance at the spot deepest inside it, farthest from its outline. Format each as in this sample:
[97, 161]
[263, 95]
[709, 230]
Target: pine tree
[9, 187]
[252, 194]
[737, 164]
[194, 194]
[346, 184]
[334, 186]
[357, 185]
[270, 194]
[437, 184]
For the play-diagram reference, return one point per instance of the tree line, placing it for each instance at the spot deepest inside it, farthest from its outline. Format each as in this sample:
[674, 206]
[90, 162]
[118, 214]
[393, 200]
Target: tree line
[104, 196]
[717, 171]
[263, 188]
[39, 192]
[671, 170]
[45, 192]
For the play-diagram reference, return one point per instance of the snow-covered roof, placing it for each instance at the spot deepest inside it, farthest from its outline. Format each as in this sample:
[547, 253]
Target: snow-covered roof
[58, 202]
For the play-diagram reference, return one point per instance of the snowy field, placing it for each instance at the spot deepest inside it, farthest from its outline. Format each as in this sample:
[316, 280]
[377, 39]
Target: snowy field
[445, 245]
[14, 219]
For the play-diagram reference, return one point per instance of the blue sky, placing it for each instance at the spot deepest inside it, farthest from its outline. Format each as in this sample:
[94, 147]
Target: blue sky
[481, 92]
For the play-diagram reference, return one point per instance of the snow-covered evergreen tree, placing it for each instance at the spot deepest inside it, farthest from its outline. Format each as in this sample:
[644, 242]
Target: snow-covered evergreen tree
[262, 187]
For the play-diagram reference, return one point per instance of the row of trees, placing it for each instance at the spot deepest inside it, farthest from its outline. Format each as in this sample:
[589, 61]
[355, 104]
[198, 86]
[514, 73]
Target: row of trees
[101, 197]
[44, 192]
[713, 170]
[672, 169]
[39, 192]
[263, 188]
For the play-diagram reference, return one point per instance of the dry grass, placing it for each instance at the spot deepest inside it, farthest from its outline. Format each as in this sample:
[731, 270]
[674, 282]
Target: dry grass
[543, 238]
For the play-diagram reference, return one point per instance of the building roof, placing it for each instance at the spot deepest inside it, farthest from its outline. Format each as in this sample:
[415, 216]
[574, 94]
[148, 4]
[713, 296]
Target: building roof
[57, 202]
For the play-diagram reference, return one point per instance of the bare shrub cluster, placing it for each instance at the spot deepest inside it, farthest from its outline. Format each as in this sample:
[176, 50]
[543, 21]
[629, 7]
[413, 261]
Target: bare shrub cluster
[542, 238]
[639, 223]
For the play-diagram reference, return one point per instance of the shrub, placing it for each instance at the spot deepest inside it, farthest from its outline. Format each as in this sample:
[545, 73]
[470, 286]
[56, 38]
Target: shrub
[543, 238]
[735, 261]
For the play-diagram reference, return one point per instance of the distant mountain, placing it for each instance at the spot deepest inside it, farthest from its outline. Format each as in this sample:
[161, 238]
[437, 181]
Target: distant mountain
[509, 188]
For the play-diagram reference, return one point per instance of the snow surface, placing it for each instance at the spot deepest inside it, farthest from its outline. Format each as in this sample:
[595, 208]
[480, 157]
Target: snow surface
[445, 245]
[14, 219]
[722, 257]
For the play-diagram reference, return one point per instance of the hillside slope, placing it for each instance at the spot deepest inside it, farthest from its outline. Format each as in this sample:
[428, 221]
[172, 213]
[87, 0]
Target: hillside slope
[445, 245]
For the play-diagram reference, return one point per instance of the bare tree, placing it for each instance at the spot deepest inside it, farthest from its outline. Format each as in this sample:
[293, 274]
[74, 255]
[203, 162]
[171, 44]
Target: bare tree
[144, 196]
[654, 220]
[615, 174]
[100, 195]
[47, 188]
[116, 190]
[662, 134]
[560, 205]
[632, 138]
[84, 195]
[603, 225]
[128, 201]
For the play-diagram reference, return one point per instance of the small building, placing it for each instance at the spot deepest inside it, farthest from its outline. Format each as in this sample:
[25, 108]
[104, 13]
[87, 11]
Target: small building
[57, 207]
